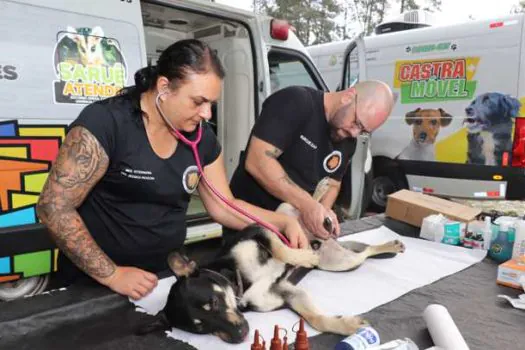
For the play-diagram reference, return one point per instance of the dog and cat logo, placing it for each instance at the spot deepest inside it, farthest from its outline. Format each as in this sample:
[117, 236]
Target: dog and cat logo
[88, 66]
[332, 161]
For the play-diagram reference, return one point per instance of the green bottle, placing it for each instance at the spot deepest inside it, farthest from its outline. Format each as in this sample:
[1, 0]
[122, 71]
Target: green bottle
[501, 247]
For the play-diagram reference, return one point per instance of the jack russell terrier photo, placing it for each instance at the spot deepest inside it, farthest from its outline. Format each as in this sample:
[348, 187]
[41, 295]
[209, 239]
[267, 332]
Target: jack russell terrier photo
[426, 124]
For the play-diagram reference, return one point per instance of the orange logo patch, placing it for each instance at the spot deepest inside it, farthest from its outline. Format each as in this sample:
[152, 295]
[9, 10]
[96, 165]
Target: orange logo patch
[332, 162]
[190, 179]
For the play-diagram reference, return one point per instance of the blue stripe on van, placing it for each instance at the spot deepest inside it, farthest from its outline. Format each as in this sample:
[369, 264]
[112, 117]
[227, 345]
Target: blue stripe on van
[8, 129]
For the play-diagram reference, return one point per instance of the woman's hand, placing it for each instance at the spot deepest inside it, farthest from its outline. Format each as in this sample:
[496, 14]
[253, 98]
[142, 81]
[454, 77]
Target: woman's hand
[295, 234]
[130, 281]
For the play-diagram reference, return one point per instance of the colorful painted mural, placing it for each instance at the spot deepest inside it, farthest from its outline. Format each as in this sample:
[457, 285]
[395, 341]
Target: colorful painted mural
[26, 155]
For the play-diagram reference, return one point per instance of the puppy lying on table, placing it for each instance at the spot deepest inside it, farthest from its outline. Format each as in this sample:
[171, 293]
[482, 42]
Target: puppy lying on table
[252, 272]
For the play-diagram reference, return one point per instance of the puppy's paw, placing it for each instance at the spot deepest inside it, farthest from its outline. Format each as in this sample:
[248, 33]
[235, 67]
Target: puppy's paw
[399, 247]
[309, 258]
[395, 246]
[350, 324]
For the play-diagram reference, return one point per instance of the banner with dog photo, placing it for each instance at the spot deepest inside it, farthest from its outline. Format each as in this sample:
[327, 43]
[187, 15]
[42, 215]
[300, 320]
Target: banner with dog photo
[431, 92]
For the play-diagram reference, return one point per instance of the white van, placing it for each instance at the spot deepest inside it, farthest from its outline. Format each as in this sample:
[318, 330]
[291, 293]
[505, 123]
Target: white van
[61, 55]
[455, 130]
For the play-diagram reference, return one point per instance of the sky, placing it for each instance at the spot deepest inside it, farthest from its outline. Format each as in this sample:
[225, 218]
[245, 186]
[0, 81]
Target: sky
[452, 11]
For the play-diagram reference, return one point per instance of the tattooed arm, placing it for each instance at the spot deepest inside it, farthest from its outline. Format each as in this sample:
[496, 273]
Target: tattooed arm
[262, 164]
[80, 164]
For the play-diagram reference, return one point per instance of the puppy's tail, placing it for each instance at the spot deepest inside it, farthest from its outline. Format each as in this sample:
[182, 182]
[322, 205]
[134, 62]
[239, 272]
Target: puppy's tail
[159, 323]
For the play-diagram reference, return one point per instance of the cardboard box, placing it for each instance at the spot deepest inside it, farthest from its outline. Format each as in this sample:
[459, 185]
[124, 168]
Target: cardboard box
[510, 272]
[412, 207]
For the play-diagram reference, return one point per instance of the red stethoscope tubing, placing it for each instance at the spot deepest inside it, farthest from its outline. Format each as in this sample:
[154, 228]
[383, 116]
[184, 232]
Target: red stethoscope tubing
[193, 145]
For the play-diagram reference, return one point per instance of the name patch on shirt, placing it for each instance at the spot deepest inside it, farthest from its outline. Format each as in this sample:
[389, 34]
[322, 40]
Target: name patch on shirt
[308, 142]
[137, 174]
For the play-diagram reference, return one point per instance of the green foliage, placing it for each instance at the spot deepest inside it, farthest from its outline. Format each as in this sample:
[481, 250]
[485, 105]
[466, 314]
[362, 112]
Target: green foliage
[321, 21]
[518, 8]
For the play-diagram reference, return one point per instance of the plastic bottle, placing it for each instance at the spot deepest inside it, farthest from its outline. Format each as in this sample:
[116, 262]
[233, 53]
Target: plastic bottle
[487, 233]
[501, 247]
[363, 338]
[518, 250]
[276, 341]
[301, 339]
[256, 345]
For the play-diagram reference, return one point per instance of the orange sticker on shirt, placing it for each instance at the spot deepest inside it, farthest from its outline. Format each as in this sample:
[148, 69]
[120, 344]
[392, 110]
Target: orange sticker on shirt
[332, 162]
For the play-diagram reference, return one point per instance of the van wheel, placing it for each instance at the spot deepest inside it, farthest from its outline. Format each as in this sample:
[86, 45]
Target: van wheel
[23, 287]
[388, 179]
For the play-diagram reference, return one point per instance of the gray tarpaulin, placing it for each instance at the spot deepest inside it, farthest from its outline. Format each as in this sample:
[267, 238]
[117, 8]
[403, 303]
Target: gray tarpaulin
[91, 317]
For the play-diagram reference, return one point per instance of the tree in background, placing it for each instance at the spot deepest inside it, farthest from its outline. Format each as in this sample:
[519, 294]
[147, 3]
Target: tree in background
[407, 5]
[370, 13]
[321, 21]
[433, 5]
[314, 20]
[518, 8]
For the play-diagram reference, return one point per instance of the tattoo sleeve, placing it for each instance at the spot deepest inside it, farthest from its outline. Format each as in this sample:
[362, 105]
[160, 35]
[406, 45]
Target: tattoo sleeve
[80, 164]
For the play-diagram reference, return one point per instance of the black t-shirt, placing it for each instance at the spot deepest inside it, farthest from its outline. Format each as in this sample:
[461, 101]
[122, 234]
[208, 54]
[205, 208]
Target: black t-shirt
[136, 213]
[293, 120]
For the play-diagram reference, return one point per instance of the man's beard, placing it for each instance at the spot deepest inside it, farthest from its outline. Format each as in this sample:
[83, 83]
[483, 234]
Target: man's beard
[336, 123]
[334, 136]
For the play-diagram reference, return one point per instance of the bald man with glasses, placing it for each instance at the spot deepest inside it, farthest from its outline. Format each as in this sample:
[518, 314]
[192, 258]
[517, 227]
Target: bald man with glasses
[302, 136]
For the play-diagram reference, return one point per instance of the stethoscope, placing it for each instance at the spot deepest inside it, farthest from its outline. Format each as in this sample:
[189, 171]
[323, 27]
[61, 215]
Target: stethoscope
[193, 145]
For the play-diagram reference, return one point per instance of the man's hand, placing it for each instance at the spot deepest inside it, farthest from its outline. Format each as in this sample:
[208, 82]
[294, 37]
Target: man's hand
[295, 234]
[313, 215]
[130, 281]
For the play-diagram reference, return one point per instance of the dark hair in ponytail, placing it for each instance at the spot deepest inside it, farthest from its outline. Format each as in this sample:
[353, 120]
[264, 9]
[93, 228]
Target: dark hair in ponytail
[175, 63]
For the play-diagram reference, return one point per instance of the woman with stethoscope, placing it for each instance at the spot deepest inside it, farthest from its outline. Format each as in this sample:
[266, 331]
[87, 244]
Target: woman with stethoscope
[116, 197]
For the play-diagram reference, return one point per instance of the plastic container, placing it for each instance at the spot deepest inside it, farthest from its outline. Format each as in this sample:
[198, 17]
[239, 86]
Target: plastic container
[364, 338]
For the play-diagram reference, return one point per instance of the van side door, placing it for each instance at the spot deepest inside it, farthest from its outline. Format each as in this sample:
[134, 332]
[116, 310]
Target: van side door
[356, 184]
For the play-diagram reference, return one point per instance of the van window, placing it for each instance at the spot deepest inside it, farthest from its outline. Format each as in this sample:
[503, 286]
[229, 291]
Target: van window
[289, 68]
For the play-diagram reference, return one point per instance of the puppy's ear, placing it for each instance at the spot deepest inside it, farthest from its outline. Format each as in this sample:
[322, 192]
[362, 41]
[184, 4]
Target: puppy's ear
[411, 116]
[180, 265]
[511, 106]
[446, 118]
